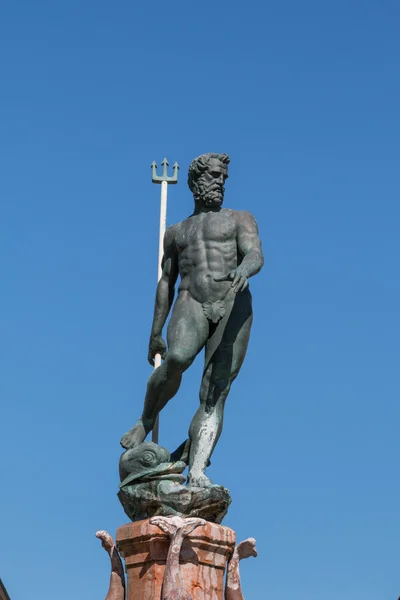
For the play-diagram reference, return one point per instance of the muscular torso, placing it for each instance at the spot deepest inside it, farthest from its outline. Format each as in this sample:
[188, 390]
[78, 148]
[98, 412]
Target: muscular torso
[207, 248]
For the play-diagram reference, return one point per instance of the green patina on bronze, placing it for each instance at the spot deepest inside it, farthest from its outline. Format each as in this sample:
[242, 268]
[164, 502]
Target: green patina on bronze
[214, 251]
[164, 177]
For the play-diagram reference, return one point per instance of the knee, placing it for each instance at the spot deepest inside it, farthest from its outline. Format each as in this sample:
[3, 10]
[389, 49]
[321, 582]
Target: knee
[178, 361]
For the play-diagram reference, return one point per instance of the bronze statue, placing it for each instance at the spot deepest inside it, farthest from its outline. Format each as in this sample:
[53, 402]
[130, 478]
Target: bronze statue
[214, 251]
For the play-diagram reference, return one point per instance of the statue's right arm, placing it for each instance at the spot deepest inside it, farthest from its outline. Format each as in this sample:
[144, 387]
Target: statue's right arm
[164, 295]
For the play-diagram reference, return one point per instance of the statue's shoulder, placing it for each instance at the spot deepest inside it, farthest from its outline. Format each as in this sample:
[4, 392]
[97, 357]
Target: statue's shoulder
[170, 235]
[172, 229]
[246, 222]
[241, 216]
[244, 214]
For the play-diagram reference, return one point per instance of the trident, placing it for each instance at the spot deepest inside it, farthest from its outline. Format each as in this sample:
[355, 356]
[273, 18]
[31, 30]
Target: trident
[164, 180]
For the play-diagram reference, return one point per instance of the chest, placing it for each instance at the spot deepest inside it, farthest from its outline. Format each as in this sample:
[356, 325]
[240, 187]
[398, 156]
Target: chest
[209, 227]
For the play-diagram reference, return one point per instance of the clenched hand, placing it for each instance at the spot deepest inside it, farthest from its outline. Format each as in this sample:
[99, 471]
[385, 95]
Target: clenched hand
[156, 346]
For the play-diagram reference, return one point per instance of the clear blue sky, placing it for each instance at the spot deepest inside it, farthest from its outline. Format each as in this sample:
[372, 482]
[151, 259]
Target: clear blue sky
[304, 96]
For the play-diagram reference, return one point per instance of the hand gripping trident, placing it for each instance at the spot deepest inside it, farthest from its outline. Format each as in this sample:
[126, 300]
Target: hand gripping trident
[164, 180]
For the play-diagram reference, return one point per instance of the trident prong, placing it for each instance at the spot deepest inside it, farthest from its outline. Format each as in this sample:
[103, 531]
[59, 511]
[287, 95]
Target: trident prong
[164, 177]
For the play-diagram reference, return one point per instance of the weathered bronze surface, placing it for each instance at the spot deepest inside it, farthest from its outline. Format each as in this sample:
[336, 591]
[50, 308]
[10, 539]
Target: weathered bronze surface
[214, 252]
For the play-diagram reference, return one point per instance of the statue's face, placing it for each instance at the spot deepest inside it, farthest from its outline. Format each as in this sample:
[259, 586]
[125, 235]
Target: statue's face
[211, 184]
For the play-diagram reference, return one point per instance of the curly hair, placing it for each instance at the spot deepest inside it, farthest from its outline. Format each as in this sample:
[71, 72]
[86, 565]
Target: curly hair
[200, 164]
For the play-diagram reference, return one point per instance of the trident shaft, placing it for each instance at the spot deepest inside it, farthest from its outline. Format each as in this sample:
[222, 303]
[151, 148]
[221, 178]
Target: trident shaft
[164, 180]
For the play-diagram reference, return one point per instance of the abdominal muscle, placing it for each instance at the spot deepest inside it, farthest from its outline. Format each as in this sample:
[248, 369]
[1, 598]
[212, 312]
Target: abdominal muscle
[201, 264]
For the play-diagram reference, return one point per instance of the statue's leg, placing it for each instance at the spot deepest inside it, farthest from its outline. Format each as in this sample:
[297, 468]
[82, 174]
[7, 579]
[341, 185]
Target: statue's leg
[187, 334]
[219, 373]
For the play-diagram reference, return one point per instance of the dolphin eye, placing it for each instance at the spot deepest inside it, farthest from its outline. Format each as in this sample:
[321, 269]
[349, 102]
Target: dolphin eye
[148, 458]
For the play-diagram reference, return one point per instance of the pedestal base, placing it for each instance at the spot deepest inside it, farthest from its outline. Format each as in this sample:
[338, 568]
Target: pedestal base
[202, 563]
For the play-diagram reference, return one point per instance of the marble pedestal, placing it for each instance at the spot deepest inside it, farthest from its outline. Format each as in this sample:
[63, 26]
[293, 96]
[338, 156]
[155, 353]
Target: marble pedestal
[202, 561]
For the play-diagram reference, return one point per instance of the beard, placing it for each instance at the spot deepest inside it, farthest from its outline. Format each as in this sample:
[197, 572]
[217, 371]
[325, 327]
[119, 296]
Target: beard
[211, 196]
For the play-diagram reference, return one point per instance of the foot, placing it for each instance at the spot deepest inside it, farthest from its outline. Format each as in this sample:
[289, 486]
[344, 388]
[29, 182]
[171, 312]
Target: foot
[134, 436]
[200, 481]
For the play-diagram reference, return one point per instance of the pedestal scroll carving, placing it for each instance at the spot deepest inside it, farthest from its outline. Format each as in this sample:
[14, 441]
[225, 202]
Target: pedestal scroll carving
[233, 590]
[116, 590]
[177, 529]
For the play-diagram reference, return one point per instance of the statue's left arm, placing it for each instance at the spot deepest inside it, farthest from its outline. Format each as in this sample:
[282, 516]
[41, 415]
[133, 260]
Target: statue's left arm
[250, 257]
[249, 245]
